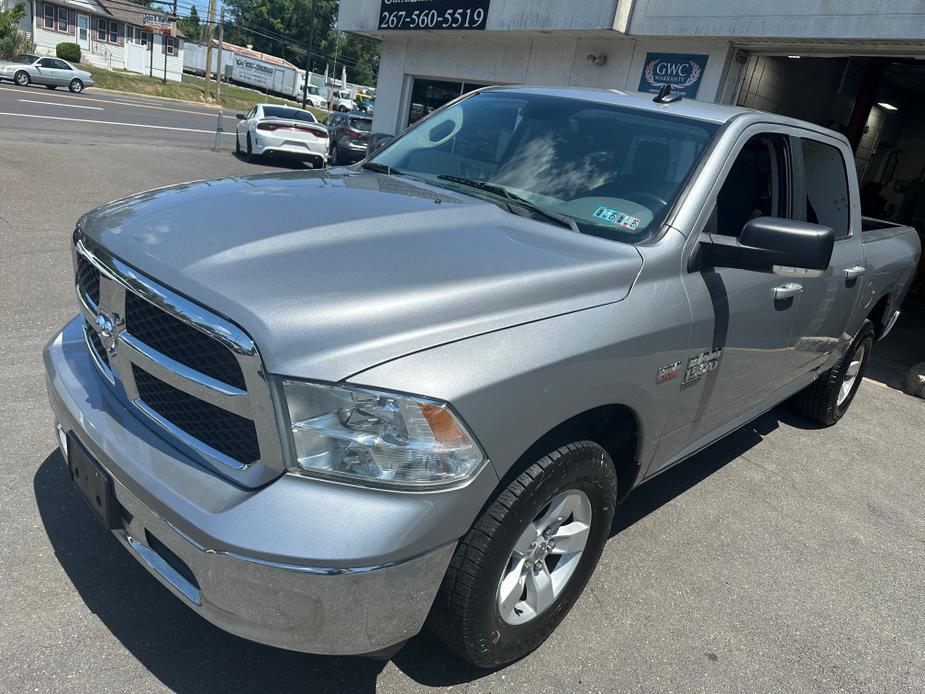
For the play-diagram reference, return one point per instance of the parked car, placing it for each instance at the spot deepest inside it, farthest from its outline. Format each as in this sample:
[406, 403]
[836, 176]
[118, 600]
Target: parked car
[322, 407]
[26, 68]
[281, 131]
[349, 136]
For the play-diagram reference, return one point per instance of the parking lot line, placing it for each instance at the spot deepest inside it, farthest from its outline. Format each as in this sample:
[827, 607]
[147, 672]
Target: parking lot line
[109, 122]
[108, 101]
[52, 103]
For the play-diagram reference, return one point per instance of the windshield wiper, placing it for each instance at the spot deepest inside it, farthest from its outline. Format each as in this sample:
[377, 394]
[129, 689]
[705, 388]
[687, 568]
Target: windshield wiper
[503, 192]
[380, 168]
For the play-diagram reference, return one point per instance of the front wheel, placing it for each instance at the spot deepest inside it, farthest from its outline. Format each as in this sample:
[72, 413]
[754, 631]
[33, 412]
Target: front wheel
[76, 86]
[827, 399]
[22, 78]
[527, 558]
[335, 155]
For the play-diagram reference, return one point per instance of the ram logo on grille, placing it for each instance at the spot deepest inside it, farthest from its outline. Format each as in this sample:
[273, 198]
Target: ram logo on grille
[106, 325]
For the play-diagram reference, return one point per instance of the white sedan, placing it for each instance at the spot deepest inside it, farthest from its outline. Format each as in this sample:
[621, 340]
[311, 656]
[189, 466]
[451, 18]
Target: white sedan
[281, 131]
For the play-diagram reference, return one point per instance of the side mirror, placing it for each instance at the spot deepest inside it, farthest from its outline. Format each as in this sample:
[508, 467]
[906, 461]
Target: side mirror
[240, 116]
[769, 241]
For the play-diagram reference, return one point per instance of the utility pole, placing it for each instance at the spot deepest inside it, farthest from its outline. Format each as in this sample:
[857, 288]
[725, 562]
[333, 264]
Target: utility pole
[209, 24]
[221, 54]
[164, 38]
[308, 58]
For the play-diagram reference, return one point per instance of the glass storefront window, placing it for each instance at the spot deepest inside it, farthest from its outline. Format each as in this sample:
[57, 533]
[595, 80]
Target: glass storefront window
[429, 95]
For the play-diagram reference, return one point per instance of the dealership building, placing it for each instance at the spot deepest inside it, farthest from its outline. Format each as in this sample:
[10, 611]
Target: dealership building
[856, 66]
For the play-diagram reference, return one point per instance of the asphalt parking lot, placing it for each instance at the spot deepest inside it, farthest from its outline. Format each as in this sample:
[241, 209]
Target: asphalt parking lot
[783, 559]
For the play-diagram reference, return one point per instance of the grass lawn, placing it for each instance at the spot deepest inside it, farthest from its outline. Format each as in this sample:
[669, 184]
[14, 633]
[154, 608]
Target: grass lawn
[234, 98]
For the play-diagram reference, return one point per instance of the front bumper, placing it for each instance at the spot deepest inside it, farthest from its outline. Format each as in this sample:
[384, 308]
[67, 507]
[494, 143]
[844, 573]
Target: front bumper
[249, 560]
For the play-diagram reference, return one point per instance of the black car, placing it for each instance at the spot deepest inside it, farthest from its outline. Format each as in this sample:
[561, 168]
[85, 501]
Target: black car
[349, 136]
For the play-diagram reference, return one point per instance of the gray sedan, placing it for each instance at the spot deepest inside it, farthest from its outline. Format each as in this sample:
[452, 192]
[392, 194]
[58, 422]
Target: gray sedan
[52, 72]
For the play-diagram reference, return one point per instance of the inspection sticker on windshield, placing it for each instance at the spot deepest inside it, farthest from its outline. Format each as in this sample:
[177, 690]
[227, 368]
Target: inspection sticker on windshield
[617, 218]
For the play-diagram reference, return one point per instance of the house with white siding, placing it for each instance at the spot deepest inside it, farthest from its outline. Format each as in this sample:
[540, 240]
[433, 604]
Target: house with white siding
[111, 34]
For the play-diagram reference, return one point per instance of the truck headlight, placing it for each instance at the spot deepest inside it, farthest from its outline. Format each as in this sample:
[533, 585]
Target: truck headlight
[377, 438]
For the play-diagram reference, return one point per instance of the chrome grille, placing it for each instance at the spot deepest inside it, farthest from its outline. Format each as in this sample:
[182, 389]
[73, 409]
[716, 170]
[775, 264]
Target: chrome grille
[88, 280]
[181, 342]
[196, 378]
[226, 432]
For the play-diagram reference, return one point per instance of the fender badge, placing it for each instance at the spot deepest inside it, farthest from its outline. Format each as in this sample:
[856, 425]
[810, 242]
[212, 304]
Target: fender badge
[701, 364]
[666, 373]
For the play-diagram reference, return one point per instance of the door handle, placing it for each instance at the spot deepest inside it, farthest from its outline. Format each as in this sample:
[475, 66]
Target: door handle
[854, 272]
[785, 291]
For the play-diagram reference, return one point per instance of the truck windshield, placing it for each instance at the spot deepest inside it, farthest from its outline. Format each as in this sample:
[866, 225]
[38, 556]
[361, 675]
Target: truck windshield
[615, 171]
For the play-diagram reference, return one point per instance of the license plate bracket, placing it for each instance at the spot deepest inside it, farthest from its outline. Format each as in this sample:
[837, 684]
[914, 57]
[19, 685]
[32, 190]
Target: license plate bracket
[93, 483]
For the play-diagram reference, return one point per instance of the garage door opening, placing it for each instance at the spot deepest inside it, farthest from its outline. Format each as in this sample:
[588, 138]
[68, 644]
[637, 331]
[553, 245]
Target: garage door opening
[879, 104]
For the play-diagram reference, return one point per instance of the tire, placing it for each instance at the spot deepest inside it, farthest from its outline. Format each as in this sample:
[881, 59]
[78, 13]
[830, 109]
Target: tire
[237, 144]
[76, 86]
[335, 155]
[249, 156]
[342, 109]
[494, 558]
[827, 399]
[51, 86]
[22, 78]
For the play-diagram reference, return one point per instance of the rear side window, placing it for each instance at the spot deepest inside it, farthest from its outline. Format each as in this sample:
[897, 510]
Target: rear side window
[827, 201]
[364, 125]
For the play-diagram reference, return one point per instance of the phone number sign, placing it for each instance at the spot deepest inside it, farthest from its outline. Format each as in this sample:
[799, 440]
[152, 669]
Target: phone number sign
[433, 15]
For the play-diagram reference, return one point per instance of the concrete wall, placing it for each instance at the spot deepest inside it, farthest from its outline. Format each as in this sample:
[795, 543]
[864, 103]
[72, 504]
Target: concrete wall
[363, 15]
[523, 59]
[886, 19]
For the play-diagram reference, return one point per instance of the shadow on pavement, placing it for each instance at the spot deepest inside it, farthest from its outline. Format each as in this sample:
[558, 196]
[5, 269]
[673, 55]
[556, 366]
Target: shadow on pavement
[678, 479]
[188, 654]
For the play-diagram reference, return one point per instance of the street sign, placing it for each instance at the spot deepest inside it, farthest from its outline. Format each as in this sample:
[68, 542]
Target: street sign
[157, 23]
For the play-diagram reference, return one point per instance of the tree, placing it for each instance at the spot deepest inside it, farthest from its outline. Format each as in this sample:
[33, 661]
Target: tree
[190, 25]
[12, 39]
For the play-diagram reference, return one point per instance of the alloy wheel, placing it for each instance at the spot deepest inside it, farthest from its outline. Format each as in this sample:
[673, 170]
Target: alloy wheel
[545, 557]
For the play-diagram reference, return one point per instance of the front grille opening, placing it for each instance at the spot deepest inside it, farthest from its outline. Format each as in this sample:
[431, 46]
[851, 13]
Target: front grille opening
[181, 342]
[97, 345]
[88, 279]
[177, 564]
[226, 432]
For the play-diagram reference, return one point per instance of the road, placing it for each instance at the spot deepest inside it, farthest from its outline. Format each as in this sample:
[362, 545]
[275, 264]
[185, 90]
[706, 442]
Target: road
[783, 559]
[121, 117]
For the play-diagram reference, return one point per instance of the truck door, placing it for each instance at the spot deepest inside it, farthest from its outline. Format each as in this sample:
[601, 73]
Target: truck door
[825, 192]
[743, 320]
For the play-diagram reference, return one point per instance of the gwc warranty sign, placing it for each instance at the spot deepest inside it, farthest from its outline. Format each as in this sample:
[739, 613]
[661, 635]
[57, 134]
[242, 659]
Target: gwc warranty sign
[683, 71]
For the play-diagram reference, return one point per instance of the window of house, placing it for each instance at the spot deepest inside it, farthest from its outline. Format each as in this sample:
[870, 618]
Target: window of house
[101, 29]
[757, 185]
[49, 16]
[827, 201]
[113, 32]
[62, 19]
[170, 45]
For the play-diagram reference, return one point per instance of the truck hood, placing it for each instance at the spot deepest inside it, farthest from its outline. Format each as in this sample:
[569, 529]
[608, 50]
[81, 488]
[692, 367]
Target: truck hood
[334, 272]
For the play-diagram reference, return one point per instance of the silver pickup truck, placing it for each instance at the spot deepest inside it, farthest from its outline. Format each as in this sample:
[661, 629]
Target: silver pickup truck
[324, 408]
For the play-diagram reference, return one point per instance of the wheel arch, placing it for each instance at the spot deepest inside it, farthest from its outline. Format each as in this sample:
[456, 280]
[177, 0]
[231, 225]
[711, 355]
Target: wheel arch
[614, 427]
[879, 314]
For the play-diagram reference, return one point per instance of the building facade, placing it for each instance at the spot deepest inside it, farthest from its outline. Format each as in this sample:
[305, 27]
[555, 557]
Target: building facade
[112, 34]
